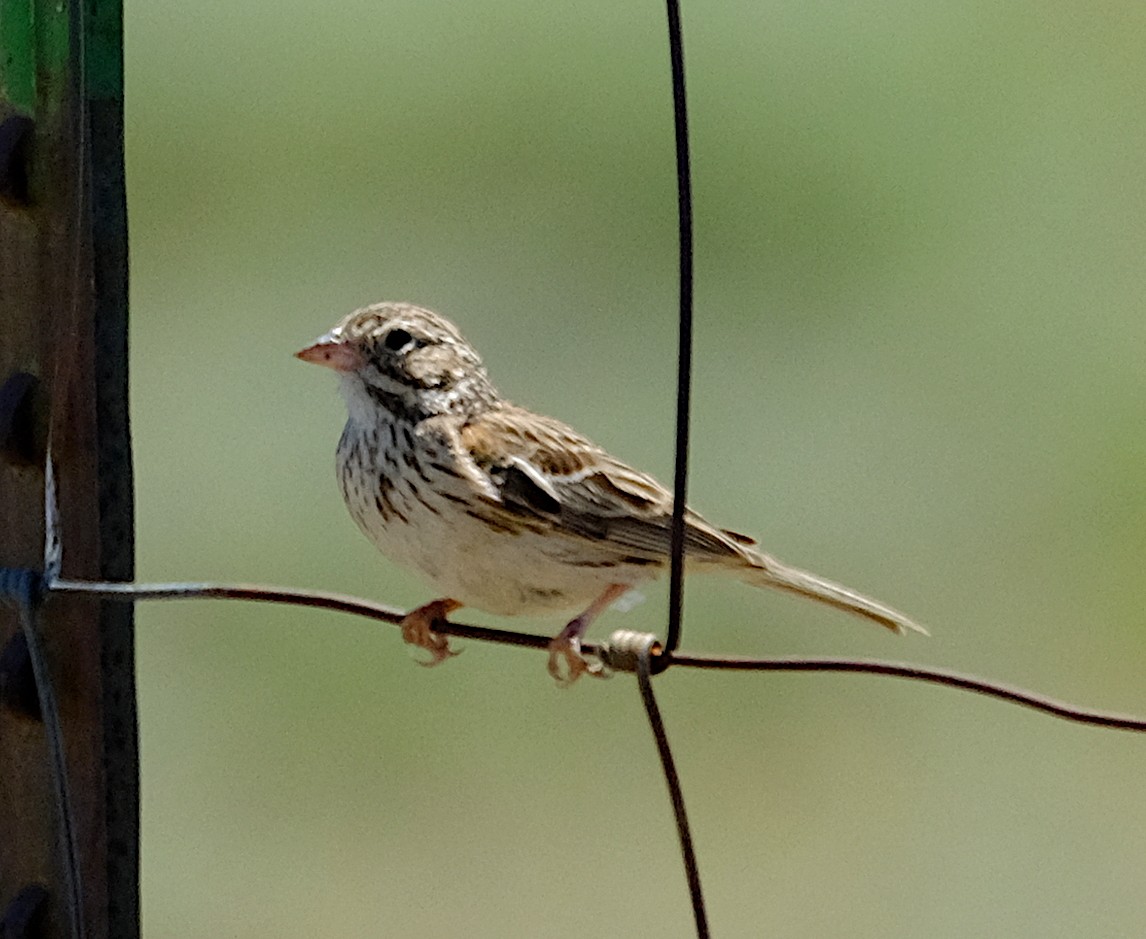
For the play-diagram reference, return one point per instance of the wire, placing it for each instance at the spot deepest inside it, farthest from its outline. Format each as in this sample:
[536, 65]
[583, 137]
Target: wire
[376, 611]
[934, 676]
[676, 794]
[23, 588]
[684, 342]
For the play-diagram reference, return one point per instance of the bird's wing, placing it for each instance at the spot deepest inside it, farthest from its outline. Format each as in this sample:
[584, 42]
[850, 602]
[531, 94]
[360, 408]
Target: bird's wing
[543, 470]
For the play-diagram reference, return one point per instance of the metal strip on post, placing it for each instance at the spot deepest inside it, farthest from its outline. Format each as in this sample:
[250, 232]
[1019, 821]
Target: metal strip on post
[63, 368]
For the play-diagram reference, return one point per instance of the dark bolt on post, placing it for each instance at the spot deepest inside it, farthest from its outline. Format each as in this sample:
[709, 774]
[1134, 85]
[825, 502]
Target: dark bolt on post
[18, 683]
[23, 918]
[18, 447]
[20, 436]
[15, 133]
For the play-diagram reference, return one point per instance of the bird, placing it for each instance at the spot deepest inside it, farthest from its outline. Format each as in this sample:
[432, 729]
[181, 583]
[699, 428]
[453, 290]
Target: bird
[505, 510]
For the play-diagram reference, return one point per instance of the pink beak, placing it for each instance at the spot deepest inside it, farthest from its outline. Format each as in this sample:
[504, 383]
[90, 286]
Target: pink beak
[334, 353]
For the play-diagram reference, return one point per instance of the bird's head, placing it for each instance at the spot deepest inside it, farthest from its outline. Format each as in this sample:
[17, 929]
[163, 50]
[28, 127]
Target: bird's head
[405, 359]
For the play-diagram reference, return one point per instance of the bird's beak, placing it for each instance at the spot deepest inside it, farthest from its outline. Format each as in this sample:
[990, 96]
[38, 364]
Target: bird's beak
[333, 352]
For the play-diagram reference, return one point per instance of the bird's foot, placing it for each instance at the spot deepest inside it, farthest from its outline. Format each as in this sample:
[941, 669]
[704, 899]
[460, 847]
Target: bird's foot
[418, 630]
[567, 664]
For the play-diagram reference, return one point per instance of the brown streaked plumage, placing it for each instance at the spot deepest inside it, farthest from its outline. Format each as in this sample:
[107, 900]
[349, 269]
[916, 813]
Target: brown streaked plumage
[503, 509]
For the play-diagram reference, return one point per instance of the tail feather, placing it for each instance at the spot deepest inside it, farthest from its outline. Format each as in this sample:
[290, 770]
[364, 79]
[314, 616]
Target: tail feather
[766, 571]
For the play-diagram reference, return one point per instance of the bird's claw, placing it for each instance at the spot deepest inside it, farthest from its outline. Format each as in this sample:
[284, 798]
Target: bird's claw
[417, 630]
[567, 664]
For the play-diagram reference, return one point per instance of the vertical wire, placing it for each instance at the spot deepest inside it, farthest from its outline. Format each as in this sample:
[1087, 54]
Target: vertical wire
[684, 342]
[24, 588]
[676, 794]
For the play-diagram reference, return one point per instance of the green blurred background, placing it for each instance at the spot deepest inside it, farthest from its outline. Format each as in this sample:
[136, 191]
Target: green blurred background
[919, 370]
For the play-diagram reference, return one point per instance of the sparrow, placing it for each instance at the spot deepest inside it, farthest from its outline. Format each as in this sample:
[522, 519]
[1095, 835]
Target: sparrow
[505, 510]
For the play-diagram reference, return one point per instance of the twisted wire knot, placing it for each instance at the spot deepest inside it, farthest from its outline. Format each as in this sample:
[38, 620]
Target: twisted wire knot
[624, 648]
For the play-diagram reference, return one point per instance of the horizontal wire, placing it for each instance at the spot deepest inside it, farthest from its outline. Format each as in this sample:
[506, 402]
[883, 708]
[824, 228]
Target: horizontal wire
[934, 676]
[320, 599]
[376, 611]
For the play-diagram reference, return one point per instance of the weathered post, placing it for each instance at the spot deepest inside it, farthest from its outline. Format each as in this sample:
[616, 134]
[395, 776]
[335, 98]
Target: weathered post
[63, 385]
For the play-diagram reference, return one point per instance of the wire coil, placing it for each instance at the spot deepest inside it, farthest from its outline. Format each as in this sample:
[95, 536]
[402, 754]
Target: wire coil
[624, 648]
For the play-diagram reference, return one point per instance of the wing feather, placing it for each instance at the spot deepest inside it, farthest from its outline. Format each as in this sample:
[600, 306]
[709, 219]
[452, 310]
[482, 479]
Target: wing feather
[544, 470]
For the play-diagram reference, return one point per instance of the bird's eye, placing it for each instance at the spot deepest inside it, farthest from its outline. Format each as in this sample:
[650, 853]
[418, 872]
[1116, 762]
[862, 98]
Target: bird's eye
[397, 339]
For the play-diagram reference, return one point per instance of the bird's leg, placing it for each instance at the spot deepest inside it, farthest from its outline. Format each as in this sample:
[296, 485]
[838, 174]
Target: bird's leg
[418, 630]
[566, 663]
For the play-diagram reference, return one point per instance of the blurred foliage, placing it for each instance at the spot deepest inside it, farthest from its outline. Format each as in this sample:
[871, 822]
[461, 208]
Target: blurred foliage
[919, 369]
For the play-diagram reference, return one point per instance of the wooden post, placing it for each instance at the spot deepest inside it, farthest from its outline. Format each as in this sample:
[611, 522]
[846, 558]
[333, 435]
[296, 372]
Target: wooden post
[63, 321]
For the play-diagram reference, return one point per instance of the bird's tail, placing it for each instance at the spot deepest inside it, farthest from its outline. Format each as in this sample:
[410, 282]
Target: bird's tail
[766, 571]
